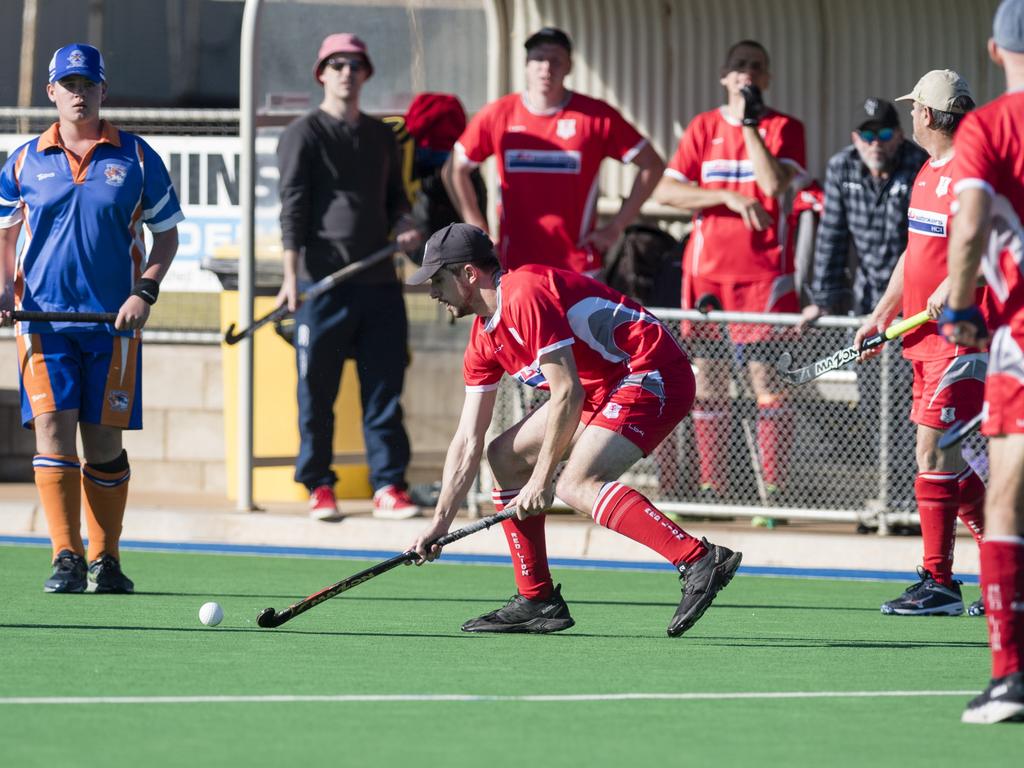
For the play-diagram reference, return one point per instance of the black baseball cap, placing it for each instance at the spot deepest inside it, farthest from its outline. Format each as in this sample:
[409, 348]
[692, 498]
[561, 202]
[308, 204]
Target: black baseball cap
[455, 244]
[879, 112]
[549, 35]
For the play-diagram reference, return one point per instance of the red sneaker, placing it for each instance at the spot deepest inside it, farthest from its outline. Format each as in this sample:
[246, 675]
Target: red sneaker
[390, 503]
[323, 506]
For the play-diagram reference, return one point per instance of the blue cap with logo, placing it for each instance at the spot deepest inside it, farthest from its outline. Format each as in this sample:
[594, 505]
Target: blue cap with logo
[1008, 26]
[77, 59]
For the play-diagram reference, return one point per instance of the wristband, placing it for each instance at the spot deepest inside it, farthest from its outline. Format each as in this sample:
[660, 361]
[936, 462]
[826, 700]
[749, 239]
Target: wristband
[971, 315]
[146, 289]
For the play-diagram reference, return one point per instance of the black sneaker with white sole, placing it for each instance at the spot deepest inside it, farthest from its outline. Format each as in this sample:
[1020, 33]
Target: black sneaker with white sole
[105, 572]
[68, 573]
[977, 608]
[700, 582]
[523, 615]
[1002, 700]
[927, 598]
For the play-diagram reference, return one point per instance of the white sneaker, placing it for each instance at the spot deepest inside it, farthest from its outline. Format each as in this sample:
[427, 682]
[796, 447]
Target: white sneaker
[390, 503]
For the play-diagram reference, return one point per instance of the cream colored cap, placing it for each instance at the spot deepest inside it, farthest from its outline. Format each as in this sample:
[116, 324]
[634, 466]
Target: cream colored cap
[938, 90]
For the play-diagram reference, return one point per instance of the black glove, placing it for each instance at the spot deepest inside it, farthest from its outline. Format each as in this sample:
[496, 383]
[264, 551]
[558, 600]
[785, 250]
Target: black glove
[753, 105]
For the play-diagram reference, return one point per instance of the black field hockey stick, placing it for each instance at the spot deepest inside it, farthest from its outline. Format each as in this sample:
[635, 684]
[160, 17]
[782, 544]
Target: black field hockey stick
[269, 618]
[843, 357]
[959, 431]
[321, 286]
[64, 317]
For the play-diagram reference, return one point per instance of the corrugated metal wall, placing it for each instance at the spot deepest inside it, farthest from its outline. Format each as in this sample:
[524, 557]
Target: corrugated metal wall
[658, 61]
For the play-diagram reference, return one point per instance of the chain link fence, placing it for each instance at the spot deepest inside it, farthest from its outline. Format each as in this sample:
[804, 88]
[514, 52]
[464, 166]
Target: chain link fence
[844, 444]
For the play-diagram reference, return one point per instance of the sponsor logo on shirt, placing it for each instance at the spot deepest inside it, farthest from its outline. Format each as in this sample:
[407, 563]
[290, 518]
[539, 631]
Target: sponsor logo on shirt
[115, 174]
[566, 129]
[542, 161]
[927, 223]
[41, 176]
[724, 171]
[516, 128]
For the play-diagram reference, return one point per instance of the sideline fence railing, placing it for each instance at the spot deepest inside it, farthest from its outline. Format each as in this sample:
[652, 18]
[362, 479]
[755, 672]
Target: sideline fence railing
[851, 457]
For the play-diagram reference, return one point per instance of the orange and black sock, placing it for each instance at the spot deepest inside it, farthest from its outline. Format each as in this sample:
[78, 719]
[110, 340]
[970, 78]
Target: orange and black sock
[60, 491]
[105, 487]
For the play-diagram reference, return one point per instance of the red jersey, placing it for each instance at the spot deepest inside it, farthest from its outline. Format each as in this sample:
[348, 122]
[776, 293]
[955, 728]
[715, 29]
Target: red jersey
[712, 153]
[614, 340]
[924, 263]
[547, 168]
[990, 156]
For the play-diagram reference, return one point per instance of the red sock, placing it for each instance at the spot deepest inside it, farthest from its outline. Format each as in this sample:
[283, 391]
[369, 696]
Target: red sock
[623, 510]
[1002, 587]
[938, 497]
[972, 503]
[528, 547]
[711, 424]
[774, 439]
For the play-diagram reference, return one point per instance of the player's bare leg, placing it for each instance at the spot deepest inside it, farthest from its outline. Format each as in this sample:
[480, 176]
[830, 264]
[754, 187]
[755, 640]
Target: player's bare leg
[1002, 583]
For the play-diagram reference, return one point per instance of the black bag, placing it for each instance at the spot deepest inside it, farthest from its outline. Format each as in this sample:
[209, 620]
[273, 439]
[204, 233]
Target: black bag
[646, 265]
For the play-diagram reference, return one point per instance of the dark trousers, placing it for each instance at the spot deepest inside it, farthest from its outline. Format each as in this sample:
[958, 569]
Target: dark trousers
[368, 324]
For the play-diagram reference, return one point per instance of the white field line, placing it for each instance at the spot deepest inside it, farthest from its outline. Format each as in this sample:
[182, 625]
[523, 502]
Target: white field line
[459, 697]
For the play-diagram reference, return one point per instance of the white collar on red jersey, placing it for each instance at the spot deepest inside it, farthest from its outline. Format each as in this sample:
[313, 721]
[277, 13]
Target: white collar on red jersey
[546, 112]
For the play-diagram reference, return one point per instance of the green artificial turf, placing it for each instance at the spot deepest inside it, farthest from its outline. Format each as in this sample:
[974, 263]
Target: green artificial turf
[399, 634]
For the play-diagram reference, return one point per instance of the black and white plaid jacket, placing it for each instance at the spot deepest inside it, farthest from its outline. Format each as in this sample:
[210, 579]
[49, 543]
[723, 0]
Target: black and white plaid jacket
[872, 215]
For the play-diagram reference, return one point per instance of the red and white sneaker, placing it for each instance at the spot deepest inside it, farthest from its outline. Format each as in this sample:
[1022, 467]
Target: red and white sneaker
[323, 506]
[390, 503]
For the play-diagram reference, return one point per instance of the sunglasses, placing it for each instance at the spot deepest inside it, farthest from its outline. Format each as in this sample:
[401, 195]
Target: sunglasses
[353, 64]
[882, 134]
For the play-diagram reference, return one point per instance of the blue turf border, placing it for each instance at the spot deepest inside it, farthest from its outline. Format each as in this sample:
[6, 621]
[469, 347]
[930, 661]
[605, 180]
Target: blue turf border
[844, 574]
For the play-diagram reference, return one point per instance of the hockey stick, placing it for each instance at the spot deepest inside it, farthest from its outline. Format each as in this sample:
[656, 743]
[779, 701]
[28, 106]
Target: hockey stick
[843, 357]
[321, 286]
[707, 303]
[269, 618]
[959, 431]
[64, 317]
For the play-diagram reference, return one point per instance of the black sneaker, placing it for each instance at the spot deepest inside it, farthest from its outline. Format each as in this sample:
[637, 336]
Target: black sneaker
[700, 583]
[977, 608]
[105, 572]
[523, 615]
[926, 598]
[68, 573]
[1002, 700]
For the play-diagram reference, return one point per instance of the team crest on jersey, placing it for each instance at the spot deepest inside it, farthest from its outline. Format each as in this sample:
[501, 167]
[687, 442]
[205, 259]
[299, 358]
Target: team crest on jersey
[948, 415]
[566, 129]
[118, 400]
[115, 174]
[943, 186]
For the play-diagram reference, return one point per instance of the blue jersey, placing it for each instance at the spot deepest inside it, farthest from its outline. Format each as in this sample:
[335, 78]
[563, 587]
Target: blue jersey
[83, 245]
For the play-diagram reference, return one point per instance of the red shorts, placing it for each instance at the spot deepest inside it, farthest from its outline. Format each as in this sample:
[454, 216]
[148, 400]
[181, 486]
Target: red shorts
[1004, 387]
[777, 294]
[646, 406]
[948, 389]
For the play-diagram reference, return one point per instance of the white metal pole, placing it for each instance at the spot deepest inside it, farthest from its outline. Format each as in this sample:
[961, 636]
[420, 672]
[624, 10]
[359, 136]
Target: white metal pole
[247, 250]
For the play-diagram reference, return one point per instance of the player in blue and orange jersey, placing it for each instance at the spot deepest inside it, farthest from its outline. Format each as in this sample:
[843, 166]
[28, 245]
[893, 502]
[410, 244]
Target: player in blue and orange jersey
[732, 169]
[987, 233]
[949, 381]
[549, 143]
[79, 194]
[619, 384]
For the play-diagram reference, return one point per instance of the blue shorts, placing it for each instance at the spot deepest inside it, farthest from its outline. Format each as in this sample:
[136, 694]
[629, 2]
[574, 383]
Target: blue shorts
[98, 374]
